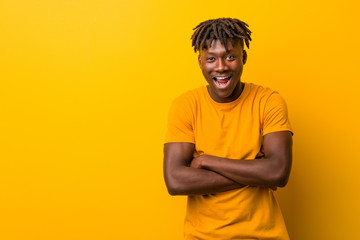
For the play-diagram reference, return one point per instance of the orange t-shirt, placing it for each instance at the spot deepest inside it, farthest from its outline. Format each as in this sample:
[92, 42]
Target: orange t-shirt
[232, 130]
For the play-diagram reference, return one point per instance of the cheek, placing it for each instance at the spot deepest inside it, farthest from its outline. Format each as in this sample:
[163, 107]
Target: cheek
[237, 68]
[206, 70]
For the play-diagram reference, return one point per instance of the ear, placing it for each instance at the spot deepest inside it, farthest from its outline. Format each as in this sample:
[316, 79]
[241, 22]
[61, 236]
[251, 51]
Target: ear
[244, 56]
[199, 60]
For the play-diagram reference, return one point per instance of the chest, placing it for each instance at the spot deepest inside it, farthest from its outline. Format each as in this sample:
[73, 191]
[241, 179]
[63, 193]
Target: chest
[231, 133]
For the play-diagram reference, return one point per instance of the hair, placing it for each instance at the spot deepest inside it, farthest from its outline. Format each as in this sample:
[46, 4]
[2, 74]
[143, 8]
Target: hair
[220, 29]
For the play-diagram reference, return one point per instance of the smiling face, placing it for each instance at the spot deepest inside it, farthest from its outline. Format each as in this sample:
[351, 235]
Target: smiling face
[222, 69]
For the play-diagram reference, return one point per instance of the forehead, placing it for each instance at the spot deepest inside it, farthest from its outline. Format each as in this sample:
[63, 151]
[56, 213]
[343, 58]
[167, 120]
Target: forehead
[216, 46]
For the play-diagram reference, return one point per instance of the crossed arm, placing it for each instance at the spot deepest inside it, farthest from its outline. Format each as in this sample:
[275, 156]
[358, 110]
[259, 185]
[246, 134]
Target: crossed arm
[185, 175]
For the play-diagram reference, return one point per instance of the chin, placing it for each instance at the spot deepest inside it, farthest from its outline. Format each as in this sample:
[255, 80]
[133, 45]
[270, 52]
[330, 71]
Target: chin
[223, 93]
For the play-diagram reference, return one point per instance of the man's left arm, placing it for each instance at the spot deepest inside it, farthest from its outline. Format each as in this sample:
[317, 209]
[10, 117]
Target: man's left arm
[273, 170]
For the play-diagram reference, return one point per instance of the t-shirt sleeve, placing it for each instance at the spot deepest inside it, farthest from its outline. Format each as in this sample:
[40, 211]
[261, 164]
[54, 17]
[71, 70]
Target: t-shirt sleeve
[275, 115]
[180, 122]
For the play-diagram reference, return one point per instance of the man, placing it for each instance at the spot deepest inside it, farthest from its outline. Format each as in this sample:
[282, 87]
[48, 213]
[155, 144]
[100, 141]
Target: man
[229, 144]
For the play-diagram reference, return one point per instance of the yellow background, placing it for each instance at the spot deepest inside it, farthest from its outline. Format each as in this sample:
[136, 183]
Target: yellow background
[85, 87]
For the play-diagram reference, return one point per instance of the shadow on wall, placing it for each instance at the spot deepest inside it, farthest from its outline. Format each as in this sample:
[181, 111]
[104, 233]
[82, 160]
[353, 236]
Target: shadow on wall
[315, 203]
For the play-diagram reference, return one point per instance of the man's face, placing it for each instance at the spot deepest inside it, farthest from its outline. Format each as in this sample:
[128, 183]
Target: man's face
[222, 69]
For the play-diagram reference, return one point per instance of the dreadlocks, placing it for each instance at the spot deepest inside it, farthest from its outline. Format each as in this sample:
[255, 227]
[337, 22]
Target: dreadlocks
[220, 29]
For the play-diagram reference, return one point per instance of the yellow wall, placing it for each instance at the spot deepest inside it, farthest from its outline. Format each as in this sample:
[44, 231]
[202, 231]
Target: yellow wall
[84, 91]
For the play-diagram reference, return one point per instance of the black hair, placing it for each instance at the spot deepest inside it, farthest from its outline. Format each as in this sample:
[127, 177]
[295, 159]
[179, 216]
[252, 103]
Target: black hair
[220, 29]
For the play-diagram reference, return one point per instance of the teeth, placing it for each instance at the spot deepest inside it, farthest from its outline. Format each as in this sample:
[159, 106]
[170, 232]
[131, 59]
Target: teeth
[222, 78]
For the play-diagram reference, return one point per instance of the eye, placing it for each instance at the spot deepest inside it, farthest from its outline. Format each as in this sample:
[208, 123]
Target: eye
[230, 57]
[210, 59]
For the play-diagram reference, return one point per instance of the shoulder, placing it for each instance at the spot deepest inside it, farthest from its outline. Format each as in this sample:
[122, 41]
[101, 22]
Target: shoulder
[260, 91]
[265, 98]
[263, 95]
[272, 109]
[190, 98]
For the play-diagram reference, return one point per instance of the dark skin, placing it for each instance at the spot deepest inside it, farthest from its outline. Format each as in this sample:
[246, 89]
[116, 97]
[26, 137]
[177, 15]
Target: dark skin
[185, 175]
[216, 61]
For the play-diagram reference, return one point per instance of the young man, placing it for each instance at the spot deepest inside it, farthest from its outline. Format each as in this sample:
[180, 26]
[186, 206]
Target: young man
[229, 144]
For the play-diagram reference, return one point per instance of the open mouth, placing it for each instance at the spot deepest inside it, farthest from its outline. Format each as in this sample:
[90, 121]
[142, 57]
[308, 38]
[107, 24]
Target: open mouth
[222, 82]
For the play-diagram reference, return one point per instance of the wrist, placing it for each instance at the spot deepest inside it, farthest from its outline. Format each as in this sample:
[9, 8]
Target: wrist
[202, 161]
[212, 162]
[206, 161]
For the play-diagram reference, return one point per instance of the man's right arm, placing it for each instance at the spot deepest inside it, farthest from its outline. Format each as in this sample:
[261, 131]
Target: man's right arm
[181, 179]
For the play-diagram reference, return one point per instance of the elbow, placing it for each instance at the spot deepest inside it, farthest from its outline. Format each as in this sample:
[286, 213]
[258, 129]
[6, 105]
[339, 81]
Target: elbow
[280, 178]
[173, 191]
[175, 181]
[280, 172]
[173, 187]
[282, 182]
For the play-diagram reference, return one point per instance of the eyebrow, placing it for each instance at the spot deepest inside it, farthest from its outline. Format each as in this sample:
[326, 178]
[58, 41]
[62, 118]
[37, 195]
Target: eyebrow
[210, 52]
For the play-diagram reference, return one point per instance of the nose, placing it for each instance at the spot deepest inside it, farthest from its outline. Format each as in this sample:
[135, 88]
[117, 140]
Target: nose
[221, 65]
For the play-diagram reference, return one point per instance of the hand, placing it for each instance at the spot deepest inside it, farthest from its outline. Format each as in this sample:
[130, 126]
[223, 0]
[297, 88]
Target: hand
[197, 162]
